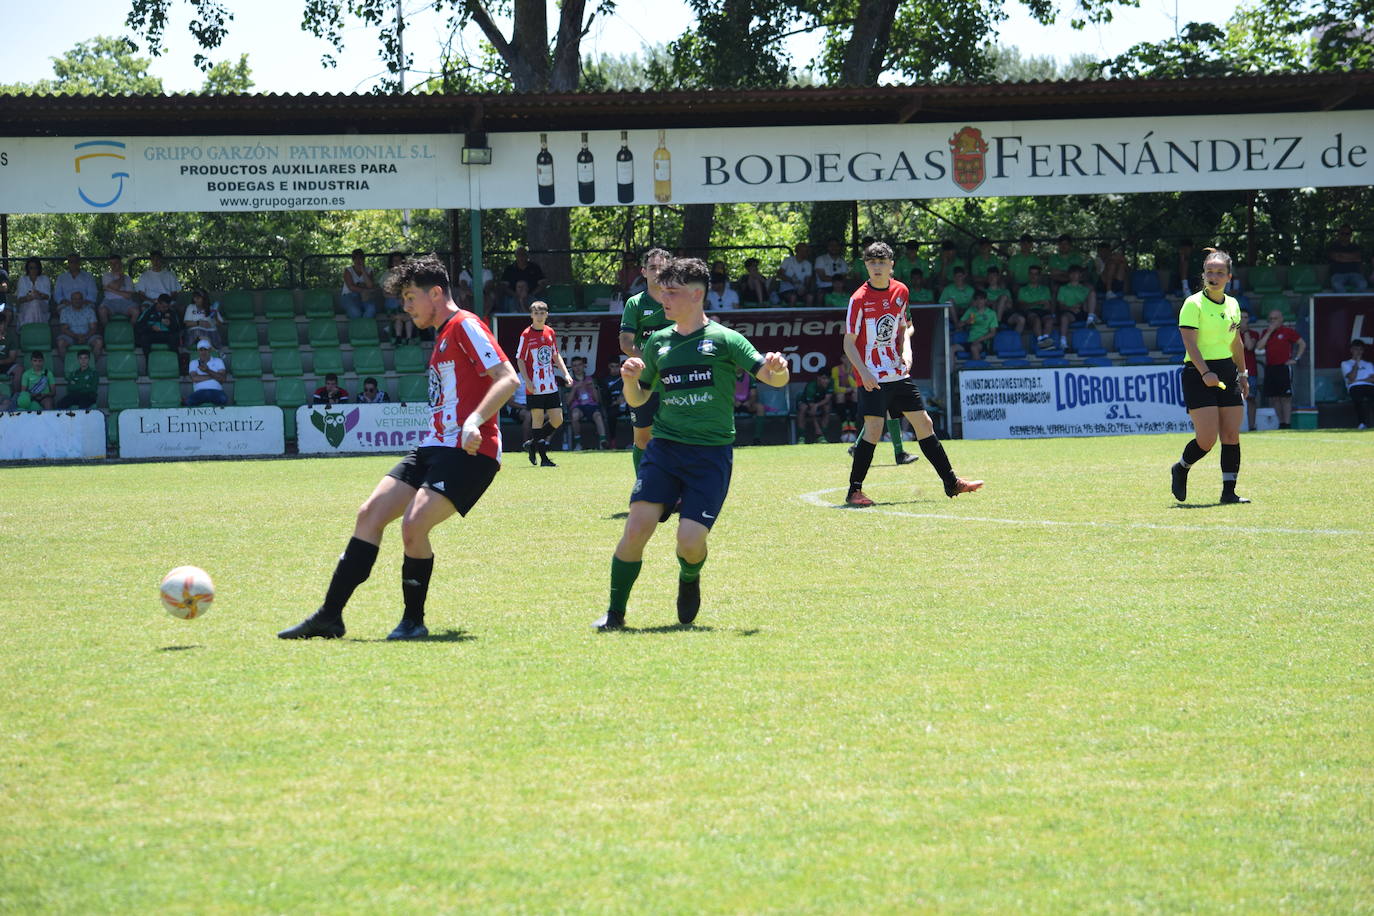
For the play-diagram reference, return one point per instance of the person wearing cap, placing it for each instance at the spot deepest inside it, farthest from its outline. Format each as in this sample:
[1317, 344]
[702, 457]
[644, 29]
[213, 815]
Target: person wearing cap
[720, 296]
[207, 377]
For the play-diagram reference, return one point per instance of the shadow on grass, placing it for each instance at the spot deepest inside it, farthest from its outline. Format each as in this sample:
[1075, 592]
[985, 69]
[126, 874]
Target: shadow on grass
[665, 628]
[1199, 505]
[449, 635]
[884, 502]
[179, 648]
[619, 516]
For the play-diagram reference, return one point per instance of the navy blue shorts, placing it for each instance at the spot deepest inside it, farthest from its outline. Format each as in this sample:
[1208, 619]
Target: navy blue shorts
[699, 475]
[643, 416]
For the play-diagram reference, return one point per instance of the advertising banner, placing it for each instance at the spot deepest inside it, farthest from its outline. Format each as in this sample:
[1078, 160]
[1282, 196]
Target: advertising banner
[689, 165]
[192, 432]
[360, 428]
[52, 434]
[1048, 403]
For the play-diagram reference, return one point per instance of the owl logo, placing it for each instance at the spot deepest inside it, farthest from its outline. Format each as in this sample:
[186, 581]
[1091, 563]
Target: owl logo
[334, 424]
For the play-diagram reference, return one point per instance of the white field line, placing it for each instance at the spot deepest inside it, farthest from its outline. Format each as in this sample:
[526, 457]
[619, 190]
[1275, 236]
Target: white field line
[814, 498]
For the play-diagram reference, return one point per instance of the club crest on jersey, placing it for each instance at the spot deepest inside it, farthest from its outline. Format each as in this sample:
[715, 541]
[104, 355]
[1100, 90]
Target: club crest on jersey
[884, 329]
[436, 388]
[706, 346]
[648, 311]
[663, 350]
[543, 356]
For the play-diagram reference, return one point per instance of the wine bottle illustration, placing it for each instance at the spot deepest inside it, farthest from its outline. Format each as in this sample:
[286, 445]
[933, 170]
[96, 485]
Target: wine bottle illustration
[663, 172]
[625, 171]
[543, 171]
[586, 174]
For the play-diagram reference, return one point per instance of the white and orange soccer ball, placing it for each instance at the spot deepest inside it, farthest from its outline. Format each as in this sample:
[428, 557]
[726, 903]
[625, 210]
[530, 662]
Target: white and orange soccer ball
[187, 592]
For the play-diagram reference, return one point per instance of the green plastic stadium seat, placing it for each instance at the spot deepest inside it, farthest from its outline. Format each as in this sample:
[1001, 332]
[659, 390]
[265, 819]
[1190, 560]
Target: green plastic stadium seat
[368, 361]
[410, 359]
[291, 392]
[35, 337]
[327, 360]
[319, 303]
[5, 389]
[1277, 301]
[323, 332]
[281, 332]
[362, 331]
[121, 364]
[122, 395]
[236, 305]
[245, 363]
[413, 389]
[166, 393]
[119, 335]
[286, 363]
[1302, 279]
[163, 364]
[596, 296]
[279, 303]
[1264, 279]
[248, 392]
[112, 428]
[243, 335]
[288, 423]
[561, 297]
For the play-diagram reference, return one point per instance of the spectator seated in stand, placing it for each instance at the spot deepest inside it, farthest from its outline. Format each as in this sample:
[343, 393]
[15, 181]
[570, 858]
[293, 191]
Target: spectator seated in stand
[828, 268]
[747, 402]
[840, 291]
[918, 293]
[1346, 262]
[156, 281]
[207, 374]
[1076, 301]
[74, 280]
[36, 385]
[372, 393]
[958, 292]
[158, 325]
[490, 293]
[119, 292]
[1187, 270]
[11, 366]
[358, 296]
[33, 295]
[1111, 269]
[613, 405]
[1358, 375]
[330, 393]
[814, 407]
[4, 291]
[981, 323]
[79, 325]
[522, 268]
[948, 262]
[584, 403]
[909, 261]
[202, 321]
[753, 286]
[83, 385]
[720, 297]
[1061, 260]
[630, 278]
[796, 277]
[1020, 263]
[985, 260]
[1000, 301]
[1037, 303]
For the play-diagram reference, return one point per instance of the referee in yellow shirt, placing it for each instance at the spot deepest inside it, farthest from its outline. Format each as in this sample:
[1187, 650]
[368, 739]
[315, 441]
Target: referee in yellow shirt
[1215, 383]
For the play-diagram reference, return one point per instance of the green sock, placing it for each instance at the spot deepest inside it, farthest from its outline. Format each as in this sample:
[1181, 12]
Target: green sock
[894, 430]
[690, 571]
[636, 455]
[623, 576]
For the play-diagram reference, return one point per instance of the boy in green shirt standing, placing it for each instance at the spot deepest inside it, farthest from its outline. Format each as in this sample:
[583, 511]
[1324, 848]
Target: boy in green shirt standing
[690, 366]
[82, 384]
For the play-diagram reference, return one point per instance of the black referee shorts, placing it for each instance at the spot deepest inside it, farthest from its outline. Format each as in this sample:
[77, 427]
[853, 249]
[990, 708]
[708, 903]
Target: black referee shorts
[1198, 394]
[463, 478]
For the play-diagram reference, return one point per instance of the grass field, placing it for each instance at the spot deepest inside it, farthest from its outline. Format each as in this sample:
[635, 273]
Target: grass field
[1061, 694]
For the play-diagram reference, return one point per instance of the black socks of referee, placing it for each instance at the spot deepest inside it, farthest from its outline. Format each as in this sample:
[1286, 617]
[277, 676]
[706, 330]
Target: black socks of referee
[1230, 468]
[863, 457]
[415, 573]
[355, 565]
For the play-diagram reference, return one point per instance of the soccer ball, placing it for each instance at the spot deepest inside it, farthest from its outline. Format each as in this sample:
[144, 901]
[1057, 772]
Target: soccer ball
[187, 592]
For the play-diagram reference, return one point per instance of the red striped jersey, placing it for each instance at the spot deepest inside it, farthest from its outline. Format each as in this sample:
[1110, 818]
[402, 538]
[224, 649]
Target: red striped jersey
[464, 349]
[876, 317]
[536, 353]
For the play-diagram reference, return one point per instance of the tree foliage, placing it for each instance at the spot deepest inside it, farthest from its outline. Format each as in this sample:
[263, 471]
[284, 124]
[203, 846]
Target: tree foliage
[104, 65]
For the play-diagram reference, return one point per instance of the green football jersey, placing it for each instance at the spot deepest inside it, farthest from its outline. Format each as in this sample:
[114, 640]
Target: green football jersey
[1073, 295]
[642, 316]
[694, 376]
[1035, 297]
[1020, 264]
[1216, 323]
[959, 295]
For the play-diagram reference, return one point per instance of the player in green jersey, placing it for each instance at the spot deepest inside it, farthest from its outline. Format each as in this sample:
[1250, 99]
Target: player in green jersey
[1215, 382]
[691, 367]
[642, 316]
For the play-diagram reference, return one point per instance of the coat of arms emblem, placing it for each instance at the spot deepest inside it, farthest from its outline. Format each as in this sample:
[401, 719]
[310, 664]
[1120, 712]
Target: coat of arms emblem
[970, 150]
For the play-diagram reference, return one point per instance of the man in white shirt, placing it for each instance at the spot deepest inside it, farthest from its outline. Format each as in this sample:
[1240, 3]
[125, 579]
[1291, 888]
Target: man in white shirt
[720, 296]
[156, 280]
[75, 280]
[119, 292]
[207, 377]
[829, 267]
[794, 276]
[1358, 373]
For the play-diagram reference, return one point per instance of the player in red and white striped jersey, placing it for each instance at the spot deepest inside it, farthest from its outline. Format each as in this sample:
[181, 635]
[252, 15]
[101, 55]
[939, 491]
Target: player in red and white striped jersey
[469, 379]
[536, 359]
[877, 341]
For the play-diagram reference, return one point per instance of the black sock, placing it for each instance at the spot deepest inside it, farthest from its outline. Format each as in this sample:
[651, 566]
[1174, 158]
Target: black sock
[415, 573]
[355, 565]
[935, 454]
[1230, 467]
[1192, 454]
[863, 457]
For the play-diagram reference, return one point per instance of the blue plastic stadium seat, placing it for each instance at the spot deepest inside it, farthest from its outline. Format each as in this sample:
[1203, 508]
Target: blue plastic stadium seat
[1007, 345]
[1098, 361]
[1130, 342]
[1016, 364]
[1116, 312]
[1158, 312]
[1057, 363]
[975, 364]
[1139, 361]
[1169, 341]
[1088, 342]
[1145, 283]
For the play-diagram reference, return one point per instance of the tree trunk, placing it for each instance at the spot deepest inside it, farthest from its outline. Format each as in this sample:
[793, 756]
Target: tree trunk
[697, 222]
[548, 228]
[867, 48]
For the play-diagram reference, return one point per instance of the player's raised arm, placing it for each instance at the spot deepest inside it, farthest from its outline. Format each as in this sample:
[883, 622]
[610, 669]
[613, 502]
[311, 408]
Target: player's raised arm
[774, 370]
[630, 371]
